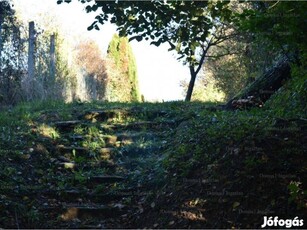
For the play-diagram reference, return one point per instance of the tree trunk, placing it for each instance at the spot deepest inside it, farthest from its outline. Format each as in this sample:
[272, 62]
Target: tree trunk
[1, 49]
[1, 45]
[191, 84]
[263, 87]
[52, 57]
[31, 59]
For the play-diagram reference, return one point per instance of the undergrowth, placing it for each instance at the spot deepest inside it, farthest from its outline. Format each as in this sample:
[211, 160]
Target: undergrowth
[231, 148]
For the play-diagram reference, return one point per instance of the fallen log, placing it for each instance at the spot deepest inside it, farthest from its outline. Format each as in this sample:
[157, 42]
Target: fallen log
[257, 93]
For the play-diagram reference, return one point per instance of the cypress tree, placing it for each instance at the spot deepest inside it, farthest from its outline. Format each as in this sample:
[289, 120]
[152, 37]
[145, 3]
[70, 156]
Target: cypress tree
[124, 85]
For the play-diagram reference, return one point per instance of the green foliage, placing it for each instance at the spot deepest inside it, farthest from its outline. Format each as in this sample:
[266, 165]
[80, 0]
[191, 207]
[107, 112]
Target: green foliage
[219, 131]
[122, 86]
[12, 55]
[114, 50]
[248, 62]
[132, 73]
[65, 79]
[280, 22]
[206, 89]
[184, 24]
[80, 177]
[297, 195]
[203, 148]
[13, 77]
[189, 27]
[290, 100]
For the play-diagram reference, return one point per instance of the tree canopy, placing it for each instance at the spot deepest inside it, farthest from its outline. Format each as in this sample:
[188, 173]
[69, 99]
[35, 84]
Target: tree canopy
[191, 28]
[282, 23]
[185, 25]
[188, 26]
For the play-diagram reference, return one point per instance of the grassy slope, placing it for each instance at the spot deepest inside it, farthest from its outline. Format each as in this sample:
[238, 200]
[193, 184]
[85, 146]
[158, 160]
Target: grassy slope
[231, 169]
[219, 169]
[33, 180]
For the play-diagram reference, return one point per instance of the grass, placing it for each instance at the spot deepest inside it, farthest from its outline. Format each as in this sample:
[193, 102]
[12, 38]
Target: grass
[226, 147]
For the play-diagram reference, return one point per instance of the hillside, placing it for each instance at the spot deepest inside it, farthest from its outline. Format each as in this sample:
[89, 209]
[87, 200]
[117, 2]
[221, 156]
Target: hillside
[164, 165]
[79, 150]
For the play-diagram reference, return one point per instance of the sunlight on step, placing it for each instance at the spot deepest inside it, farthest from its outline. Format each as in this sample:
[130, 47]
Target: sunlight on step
[70, 214]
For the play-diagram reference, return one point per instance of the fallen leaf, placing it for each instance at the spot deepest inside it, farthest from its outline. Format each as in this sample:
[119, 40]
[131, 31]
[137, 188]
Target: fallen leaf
[235, 205]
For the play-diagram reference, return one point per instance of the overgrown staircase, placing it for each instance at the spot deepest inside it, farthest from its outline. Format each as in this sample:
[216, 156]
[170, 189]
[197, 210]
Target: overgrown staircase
[104, 164]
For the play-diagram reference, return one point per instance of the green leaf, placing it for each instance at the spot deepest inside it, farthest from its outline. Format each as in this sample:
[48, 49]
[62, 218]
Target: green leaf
[92, 26]
[235, 205]
[88, 9]
[96, 27]
[94, 7]
[157, 43]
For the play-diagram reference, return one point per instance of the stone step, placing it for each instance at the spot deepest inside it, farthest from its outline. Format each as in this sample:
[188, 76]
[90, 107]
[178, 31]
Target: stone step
[66, 126]
[75, 194]
[75, 137]
[127, 138]
[85, 211]
[140, 126]
[105, 179]
[107, 197]
[88, 165]
[104, 115]
[110, 115]
[134, 136]
[69, 151]
[106, 153]
[101, 196]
